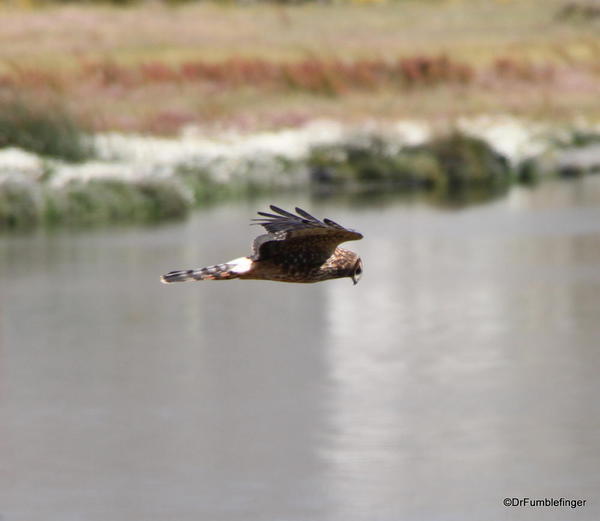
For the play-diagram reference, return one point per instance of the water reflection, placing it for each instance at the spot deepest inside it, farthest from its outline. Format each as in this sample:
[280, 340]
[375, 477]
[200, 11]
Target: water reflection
[369, 196]
[462, 369]
[468, 359]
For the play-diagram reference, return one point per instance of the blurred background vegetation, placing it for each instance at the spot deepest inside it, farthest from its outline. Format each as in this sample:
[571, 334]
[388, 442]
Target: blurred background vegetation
[157, 66]
[69, 70]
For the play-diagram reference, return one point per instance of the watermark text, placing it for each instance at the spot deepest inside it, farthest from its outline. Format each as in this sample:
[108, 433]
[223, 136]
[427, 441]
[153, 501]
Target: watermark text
[543, 502]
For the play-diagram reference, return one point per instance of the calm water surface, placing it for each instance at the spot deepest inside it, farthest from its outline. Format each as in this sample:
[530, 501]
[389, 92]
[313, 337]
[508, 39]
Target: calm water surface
[462, 369]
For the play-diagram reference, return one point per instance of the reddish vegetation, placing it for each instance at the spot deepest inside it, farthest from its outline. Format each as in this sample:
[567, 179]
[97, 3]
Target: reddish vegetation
[310, 75]
[162, 97]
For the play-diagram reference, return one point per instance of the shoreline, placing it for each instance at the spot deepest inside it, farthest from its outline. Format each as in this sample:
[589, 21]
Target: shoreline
[143, 178]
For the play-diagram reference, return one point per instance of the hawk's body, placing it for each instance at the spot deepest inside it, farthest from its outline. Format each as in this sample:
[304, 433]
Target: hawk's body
[297, 248]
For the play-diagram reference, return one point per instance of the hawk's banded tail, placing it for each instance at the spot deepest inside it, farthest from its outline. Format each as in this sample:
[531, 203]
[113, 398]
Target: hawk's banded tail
[226, 271]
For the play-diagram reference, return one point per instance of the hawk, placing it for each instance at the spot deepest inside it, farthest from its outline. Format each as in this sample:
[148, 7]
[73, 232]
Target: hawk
[296, 248]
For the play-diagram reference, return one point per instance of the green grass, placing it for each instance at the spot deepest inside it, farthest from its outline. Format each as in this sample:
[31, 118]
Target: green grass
[45, 129]
[106, 201]
[20, 205]
[446, 163]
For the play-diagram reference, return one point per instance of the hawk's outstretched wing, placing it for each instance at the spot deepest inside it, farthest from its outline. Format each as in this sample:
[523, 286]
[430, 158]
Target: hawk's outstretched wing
[298, 239]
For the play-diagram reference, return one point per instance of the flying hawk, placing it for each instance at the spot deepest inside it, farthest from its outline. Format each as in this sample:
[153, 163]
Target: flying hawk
[297, 248]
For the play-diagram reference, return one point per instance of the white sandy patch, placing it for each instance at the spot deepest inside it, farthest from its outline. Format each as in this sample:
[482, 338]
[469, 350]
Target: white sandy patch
[511, 137]
[20, 165]
[256, 158]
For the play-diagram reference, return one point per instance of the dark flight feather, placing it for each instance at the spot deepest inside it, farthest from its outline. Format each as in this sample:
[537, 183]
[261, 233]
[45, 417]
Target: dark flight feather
[298, 238]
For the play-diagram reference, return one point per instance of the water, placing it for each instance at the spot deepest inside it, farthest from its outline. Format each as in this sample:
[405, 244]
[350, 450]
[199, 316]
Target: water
[462, 369]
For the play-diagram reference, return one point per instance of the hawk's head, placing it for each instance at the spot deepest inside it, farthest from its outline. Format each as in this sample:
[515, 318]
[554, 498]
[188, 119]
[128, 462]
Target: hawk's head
[357, 271]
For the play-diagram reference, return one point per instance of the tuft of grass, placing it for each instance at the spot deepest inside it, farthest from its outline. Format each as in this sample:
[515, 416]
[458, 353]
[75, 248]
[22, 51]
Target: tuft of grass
[446, 163]
[466, 160]
[108, 201]
[19, 205]
[200, 182]
[528, 171]
[164, 199]
[48, 130]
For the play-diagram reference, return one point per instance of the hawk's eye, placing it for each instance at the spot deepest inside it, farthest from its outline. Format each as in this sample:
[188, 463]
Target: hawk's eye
[358, 270]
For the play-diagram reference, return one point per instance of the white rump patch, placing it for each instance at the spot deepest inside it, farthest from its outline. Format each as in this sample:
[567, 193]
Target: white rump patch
[241, 265]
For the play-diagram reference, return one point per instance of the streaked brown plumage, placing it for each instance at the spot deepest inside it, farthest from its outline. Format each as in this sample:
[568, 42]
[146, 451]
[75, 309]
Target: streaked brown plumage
[297, 248]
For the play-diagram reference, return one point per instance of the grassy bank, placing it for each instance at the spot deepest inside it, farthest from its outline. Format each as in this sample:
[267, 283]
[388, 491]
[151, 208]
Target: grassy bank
[450, 167]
